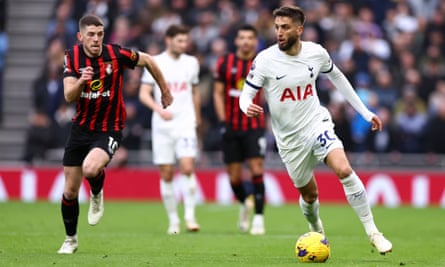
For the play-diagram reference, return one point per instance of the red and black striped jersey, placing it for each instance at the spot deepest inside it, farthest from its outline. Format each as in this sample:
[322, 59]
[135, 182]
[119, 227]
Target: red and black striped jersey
[101, 104]
[232, 72]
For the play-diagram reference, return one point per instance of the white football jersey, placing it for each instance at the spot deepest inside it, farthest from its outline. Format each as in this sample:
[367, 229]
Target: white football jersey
[289, 86]
[180, 74]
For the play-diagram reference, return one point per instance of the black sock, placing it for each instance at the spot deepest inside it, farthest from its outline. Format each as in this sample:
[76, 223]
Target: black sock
[70, 215]
[258, 192]
[96, 183]
[239, 191]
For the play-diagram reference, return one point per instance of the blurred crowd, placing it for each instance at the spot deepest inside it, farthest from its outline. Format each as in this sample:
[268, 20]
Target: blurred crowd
[393, 52]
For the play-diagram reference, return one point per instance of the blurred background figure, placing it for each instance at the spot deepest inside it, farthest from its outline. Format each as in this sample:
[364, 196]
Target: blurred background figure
[4, 45]
[50, 120]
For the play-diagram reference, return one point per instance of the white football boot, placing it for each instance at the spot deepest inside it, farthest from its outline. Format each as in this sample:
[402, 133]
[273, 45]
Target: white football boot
[317, 228]
[173, 229]
[244, 214]
[69, 246]
[380, 243]
[258, 225]
[96, 209]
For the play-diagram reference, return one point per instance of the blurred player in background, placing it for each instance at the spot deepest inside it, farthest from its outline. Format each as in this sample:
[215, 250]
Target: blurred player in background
[303, 128]
[174, 133]
[93, 78]
[243, 138]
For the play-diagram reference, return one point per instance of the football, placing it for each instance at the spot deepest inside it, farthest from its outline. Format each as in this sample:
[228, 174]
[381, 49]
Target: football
[312, 247]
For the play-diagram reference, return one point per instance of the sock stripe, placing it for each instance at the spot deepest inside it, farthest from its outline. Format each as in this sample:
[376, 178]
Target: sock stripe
[68, 202]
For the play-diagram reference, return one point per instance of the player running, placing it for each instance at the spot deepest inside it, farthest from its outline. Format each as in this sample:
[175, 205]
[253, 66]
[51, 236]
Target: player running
[304, 129]
[93, 78]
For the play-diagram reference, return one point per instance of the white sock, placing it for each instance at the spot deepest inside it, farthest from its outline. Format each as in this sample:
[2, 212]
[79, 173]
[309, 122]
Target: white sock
[310, 212]
[190, 196]
[358, 199]
[168, 197]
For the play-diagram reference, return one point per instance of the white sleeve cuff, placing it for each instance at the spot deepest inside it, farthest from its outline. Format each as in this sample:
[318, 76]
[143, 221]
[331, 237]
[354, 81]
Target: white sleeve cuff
[246, 97]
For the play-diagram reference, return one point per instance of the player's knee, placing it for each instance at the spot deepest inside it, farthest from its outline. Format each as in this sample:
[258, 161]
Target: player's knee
[90, 171]
[343, 171]
[70, 193]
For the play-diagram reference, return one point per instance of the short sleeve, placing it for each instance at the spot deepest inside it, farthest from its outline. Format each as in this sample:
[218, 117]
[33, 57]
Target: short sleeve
[219, 70]
[195, 77]
[68, 66]
[326, 62]
[147, 77]
[128, 57]
[257, 72]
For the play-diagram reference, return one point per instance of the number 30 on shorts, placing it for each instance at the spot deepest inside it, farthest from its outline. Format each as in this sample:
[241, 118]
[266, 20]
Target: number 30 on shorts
[326, 137]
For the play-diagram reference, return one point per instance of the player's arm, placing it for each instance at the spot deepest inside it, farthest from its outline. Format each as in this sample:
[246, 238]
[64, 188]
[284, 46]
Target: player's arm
[197, 103]
[246, 101]
[72, 86]
[146, 98]
[344, 86]
[145, 60]
[218, 100]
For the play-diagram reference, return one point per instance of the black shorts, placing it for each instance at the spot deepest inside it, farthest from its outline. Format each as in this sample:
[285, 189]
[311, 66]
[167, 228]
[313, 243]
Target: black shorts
[238, 146]
[81, 141]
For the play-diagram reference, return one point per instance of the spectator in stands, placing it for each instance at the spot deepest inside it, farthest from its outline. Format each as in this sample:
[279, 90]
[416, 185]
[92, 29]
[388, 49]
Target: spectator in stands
[359, 126]
[49, 108]
[4, 45]
[411, 124]
[106, 10]
[384, 141]
[434, 101]
[62, 25]
[436, 129]
[432, 67]
[409, 96]
[385, 90]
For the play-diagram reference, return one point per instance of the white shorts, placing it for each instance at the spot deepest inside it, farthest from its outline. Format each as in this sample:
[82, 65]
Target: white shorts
[301, 161]
[170, 144]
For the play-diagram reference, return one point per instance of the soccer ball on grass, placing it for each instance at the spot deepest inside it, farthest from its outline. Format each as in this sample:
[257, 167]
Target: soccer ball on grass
[312, 247]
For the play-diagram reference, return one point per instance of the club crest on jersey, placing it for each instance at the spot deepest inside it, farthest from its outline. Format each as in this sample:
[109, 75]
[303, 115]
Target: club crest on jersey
[133, 55]
[109, 69]
[311, 70]
[298, 94]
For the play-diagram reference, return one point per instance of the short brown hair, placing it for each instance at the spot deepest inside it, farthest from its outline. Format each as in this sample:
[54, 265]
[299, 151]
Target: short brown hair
[176, 29]
[293, 12]
[90, 19]
[248, 27]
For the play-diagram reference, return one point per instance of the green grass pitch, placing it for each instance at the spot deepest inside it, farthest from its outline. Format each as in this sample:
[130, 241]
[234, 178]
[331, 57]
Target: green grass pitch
[134, 234]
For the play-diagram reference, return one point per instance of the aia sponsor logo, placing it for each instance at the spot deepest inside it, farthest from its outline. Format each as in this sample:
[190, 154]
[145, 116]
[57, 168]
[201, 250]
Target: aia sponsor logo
[297, 94]
[176, 87]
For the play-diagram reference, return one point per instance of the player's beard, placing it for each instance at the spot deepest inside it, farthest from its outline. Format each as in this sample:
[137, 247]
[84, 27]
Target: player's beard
[287, 45]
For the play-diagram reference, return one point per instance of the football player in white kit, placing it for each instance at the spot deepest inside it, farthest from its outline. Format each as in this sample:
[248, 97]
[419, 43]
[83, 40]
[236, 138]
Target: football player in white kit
[303, 129]
[174, 128]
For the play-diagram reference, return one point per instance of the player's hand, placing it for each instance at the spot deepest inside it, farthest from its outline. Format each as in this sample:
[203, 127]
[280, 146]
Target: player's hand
[166, 98]
[87, 74]
[165, 114]
[254, 110]
[376, 124]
